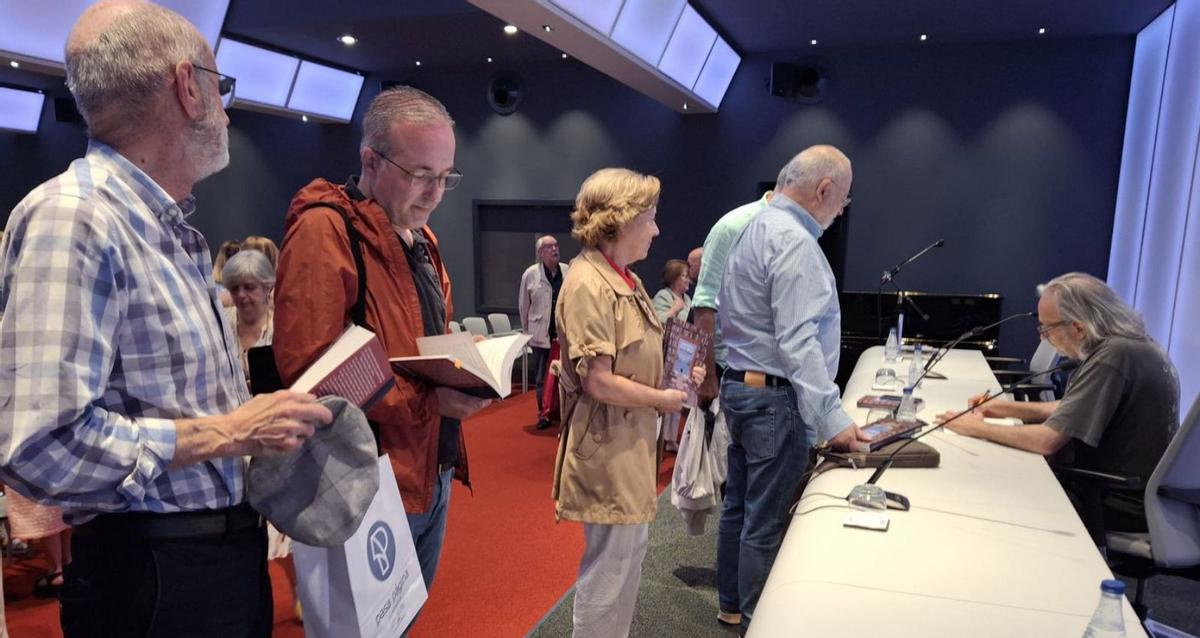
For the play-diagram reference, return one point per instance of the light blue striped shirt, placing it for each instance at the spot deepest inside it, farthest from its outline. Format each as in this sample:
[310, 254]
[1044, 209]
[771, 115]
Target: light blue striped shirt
[779, 311]
[110, 330]
[716, 254]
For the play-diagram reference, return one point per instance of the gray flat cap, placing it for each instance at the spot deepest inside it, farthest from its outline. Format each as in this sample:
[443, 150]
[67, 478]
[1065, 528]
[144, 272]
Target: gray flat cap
[319, 493]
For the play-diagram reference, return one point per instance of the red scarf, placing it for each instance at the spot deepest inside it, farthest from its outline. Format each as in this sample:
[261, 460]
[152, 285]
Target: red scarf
[623, 272]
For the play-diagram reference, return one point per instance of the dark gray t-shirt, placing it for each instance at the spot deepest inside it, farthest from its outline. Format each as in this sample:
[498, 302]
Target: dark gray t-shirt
[1121, 409]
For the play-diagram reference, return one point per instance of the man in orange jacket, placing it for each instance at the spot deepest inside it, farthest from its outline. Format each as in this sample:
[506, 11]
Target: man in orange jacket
[407, 156]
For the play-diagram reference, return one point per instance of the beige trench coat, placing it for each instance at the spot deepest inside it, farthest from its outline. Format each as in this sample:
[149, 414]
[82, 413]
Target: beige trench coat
[607, 468]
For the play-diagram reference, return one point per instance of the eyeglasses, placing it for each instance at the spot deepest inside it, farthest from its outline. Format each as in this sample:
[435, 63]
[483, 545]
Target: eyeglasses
[1045, 328]
[448, 182]
[225, 84]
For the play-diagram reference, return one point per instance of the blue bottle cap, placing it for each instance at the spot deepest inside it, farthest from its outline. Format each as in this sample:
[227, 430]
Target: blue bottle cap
[908, 389]
[1113, 586]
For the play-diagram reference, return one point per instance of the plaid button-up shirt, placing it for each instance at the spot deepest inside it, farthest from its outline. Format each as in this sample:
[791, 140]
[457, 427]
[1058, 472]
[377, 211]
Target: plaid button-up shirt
[110, 330]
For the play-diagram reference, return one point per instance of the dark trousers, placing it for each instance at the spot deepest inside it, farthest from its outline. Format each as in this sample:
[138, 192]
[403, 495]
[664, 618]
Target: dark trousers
[541, 364]
[213, 586]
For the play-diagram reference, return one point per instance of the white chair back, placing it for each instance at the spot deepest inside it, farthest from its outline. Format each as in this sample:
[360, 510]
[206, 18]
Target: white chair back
[475, 325]
[500, 323]
[1043, 359]
[455, 327]
[1175, 524]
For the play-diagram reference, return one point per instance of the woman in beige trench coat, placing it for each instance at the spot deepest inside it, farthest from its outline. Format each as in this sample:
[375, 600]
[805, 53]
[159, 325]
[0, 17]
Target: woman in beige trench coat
[611, 341]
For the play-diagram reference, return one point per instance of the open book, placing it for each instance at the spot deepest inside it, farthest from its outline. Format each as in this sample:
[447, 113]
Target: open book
[481, 369]
[354, 367]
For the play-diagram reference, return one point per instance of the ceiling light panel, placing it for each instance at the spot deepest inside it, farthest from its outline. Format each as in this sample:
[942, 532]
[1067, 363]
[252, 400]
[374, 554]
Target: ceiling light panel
[325, 91]
[597, 14]
[717, 73]
[645, 26]
[262, 76]
[688, 48]
[39, 29]
[20, 110]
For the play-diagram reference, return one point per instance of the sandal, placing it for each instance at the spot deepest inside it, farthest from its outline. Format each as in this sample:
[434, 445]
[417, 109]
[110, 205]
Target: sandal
[45, 587]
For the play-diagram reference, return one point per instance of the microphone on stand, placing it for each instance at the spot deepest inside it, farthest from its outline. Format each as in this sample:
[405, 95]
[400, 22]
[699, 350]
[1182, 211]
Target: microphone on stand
[888, 275]
[941, 352]
[870, 492]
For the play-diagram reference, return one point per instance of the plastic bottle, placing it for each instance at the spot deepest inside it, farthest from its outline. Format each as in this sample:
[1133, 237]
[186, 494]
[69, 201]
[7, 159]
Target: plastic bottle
[891, 351]
[907, 410]
[1108, 621]
[916, 367]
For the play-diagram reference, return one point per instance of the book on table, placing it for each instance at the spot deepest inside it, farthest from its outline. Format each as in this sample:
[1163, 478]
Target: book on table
[354, 367]
[887, 402]
[884, 431]
[482, 369]
[684, 347]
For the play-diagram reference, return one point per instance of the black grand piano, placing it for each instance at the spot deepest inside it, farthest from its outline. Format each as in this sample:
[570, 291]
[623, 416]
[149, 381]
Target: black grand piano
[949, 317]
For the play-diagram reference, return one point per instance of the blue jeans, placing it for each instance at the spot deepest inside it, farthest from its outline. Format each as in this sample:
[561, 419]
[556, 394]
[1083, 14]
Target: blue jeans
[429, 528]
[768, 454]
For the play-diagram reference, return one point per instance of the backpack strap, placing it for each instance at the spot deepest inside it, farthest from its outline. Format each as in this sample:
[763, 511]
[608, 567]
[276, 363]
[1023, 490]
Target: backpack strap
[358, 312]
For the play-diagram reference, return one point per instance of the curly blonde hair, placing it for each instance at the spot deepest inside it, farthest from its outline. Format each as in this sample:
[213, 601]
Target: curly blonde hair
[609, 199]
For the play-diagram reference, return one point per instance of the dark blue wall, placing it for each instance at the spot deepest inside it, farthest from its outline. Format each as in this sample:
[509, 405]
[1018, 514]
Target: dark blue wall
[1009, 151]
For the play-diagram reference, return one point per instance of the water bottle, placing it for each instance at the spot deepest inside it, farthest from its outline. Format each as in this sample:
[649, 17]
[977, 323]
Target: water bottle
[916, 367]
[891, 351]
[907, 410]
[1108, 621]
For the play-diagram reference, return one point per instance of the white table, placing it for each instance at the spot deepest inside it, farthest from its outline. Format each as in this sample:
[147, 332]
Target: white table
[991, 546]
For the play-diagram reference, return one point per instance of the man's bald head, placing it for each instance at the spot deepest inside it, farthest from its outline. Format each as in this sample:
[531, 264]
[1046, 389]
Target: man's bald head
[693, 262]
[818, 178]
[120, 57]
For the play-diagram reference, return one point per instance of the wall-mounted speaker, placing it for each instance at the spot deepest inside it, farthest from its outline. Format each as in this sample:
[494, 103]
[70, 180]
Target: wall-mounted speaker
[505, 92]
[806, 81]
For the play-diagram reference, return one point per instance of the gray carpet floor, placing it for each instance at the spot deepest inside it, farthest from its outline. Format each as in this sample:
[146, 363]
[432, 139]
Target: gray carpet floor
[678, 596]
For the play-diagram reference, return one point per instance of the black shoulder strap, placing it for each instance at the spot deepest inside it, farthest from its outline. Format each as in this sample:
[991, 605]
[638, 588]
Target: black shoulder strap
[358, 312]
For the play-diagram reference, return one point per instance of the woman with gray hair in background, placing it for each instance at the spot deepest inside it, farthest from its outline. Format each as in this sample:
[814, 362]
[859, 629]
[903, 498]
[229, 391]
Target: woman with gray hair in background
[250, 278]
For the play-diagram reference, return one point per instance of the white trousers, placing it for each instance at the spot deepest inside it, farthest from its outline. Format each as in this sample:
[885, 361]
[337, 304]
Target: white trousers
[609, 576]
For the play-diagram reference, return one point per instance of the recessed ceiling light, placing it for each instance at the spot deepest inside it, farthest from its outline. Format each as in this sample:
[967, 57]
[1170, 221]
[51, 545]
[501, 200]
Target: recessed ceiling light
[924, 37]
[489, 60]
[547, 28]
[814, 43]
[348, 40]
[510, 29]
[303, 118]
[564, 56]
[14, 64]
[418, 63]
[1042, 31]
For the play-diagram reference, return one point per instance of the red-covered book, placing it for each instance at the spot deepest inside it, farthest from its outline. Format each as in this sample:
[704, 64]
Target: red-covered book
[354, 367]
[684, 347]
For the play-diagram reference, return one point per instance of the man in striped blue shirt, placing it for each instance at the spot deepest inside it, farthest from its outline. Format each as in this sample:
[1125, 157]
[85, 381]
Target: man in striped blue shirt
[781, 324]
[121, 392]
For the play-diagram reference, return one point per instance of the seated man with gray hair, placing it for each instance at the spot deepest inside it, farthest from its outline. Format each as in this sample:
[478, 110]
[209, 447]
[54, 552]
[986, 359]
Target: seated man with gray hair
[1121, 407]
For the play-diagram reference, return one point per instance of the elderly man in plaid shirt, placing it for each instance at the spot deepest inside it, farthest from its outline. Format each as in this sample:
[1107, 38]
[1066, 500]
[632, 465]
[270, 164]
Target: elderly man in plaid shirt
[122, 398]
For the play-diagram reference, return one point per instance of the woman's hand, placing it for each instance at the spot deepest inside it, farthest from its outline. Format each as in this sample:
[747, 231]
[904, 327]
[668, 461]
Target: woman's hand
[698, 374]
[670, 400]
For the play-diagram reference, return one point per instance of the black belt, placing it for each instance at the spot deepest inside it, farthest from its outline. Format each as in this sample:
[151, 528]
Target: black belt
[768, 380]
[173, 526]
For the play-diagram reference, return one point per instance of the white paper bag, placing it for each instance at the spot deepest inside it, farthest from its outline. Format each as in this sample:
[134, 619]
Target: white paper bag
[370, 586]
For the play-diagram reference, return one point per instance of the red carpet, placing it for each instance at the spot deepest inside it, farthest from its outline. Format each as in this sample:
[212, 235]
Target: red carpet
[505, 562]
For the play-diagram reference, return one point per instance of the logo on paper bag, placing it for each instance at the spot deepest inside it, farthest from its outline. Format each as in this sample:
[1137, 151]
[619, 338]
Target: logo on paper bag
[381, 550]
